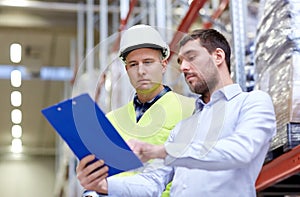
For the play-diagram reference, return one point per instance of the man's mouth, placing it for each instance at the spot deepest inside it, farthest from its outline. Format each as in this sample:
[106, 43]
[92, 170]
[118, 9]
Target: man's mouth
[143, 80]
[188, 76]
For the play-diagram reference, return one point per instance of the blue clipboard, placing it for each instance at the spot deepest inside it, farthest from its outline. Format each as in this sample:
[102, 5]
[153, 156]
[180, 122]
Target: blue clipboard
[86, 130]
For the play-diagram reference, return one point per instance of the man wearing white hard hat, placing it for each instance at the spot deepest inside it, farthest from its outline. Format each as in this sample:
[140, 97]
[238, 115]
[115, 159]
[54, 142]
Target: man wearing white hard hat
[155, 108]
[220, 149]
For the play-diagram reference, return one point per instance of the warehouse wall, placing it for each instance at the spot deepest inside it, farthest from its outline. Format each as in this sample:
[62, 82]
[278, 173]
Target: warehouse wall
[27, 176]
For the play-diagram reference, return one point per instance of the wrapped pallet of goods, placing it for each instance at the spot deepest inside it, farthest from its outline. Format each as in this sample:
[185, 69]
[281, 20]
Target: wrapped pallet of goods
[277, 67]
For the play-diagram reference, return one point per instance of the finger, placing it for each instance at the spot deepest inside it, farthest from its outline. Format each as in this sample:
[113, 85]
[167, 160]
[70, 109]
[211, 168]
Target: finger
[92, 167]
[98, 184]
[83, 175]
[83, 162]
[144, 159]
[131, 143]
[87, 176]
[100, 172]
[90, 180]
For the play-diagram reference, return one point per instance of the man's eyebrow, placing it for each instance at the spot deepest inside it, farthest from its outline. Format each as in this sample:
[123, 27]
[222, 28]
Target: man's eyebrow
[145, 59]
[131, 61]
[184, 54]
[189, 51]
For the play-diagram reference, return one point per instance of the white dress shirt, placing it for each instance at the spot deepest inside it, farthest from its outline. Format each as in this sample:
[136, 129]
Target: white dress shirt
[219, 151]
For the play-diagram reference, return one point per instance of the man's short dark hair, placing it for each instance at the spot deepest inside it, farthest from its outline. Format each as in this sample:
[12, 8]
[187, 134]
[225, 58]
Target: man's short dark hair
[211, 40]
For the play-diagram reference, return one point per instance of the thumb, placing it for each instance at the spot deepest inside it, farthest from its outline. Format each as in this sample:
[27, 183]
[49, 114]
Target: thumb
[132, 143]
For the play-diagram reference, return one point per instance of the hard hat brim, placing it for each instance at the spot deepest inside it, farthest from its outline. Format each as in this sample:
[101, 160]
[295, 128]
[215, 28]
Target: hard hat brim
[139, 46]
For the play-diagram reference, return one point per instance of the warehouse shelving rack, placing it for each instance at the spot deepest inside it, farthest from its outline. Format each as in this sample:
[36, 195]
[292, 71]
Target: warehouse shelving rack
[280, 176]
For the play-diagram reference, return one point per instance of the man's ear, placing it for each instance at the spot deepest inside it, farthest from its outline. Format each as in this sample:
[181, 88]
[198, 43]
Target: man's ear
[219, 56]
[164, 64]
[126, 67]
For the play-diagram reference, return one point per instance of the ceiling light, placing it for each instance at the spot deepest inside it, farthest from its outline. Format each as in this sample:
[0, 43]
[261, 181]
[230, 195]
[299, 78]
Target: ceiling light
[16, 131]
[16, 116]
[124, 7]
[16, 3]
[15, 53]
[16, 78]
[16, 98]
[16, 145]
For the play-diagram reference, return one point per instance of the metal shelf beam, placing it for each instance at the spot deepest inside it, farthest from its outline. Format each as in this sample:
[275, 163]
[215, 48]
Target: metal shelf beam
[186, 22]
[279, 169]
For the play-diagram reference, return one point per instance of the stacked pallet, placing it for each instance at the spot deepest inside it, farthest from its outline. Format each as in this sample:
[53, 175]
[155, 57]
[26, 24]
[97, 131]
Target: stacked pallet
[277, 66]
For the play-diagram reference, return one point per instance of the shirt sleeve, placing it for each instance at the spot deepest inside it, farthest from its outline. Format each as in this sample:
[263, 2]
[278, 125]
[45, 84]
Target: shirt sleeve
[151, 182]
[255, 127]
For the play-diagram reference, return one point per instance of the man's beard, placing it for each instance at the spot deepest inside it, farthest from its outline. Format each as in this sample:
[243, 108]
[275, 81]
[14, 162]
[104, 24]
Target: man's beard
[200, 88]
[203, 87]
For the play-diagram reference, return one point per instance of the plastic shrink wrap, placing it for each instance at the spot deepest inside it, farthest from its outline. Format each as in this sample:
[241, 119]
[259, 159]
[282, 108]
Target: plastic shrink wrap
[277, 66]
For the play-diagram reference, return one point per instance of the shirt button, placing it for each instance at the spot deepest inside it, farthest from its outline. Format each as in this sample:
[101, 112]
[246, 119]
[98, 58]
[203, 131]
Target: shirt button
[184, 186]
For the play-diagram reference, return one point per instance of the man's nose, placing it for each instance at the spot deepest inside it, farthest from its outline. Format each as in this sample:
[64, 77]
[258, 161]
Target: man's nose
[141, 68]
[184, 65]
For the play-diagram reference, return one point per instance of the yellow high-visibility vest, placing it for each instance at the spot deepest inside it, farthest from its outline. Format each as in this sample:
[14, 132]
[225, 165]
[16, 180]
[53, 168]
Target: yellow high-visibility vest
[156, 123]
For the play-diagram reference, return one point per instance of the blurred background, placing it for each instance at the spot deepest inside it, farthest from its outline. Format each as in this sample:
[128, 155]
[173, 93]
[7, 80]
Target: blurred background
[52, 50]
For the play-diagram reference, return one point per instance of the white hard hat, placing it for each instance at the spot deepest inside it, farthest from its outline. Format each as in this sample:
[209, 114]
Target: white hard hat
[142, 36]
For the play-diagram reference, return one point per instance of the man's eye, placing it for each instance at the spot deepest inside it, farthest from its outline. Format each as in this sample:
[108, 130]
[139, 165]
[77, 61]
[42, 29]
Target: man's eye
[191, 58]
[148, 62]
[179, 61]
[132, 64]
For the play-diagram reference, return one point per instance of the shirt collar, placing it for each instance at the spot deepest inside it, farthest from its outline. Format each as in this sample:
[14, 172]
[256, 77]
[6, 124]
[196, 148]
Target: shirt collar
[141, 108]
[228, 92]
[137, 102]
